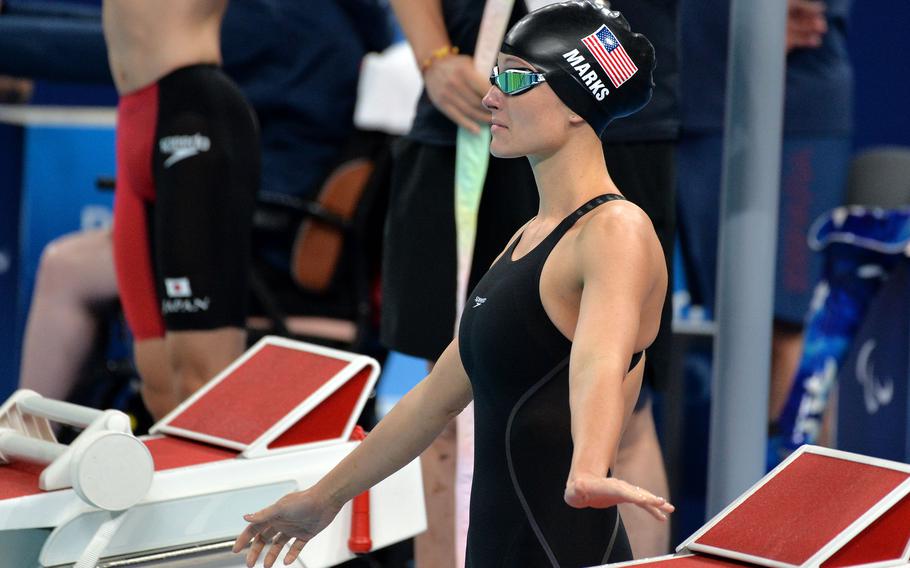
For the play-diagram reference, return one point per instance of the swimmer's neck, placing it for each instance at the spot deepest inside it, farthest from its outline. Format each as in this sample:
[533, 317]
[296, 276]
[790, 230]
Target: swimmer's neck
[570, 176]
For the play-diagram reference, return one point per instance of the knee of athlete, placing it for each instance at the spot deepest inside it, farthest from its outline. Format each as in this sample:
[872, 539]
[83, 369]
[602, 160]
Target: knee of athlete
[158, 406]
[158, 398]
[58, 269]
[191, 371]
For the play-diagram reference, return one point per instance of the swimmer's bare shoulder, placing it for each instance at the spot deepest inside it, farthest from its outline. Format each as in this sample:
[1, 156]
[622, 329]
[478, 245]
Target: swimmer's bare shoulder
[621, 234]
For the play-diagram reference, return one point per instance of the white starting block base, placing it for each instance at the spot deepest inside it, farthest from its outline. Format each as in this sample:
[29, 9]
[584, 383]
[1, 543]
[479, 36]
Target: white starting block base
[175, 517]
[233, 448]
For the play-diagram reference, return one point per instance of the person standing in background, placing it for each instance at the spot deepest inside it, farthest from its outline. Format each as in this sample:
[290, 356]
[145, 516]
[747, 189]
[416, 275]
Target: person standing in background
[419, 256]
[188, 160]
[816, 151]
[304, 100]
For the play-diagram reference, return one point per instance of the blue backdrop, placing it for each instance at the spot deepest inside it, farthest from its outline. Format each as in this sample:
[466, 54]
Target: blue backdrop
[879, 44]
[47, 180]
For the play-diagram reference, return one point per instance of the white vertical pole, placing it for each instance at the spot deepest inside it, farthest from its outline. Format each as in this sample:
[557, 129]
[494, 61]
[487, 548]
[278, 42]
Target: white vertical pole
[746, 255]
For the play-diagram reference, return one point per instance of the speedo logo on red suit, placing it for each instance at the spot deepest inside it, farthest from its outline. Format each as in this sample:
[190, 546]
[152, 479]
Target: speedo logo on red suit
[180, 147]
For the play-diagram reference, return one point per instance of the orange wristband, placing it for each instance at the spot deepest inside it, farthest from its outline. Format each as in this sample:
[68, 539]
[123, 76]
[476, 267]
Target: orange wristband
[444, 51]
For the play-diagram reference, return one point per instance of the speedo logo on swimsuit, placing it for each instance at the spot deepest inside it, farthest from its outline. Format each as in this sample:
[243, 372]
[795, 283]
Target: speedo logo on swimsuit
[478, 301]
[181, 147]
[180, 298]
[590, 78]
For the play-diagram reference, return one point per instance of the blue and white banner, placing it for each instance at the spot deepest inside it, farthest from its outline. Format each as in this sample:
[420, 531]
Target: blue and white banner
[873, 414]
[861, 248]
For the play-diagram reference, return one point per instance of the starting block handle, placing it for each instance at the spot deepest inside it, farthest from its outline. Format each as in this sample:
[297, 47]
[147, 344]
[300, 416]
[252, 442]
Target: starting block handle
[59, 411]
[15, 445]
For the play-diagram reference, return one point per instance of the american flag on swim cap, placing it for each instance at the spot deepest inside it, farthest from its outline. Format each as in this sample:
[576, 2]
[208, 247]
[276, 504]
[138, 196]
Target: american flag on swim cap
[611, 55]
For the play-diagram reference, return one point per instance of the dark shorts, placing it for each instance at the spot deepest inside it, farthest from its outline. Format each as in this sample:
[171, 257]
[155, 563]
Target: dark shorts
[645, 173]
[419, 266]
[813, 176]
[188, 160]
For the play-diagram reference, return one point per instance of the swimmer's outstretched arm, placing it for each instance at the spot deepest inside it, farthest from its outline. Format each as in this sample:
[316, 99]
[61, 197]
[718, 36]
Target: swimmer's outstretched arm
[619, 268]
[399, 438]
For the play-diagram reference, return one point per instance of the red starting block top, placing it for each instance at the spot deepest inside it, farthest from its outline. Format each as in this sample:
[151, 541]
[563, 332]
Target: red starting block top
[819, 508]
[887, 539]
[19, 479]
[279, 394]
[171, 453]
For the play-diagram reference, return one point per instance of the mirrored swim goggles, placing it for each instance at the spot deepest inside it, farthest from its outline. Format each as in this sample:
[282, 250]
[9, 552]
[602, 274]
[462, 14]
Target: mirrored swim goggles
[513, 82]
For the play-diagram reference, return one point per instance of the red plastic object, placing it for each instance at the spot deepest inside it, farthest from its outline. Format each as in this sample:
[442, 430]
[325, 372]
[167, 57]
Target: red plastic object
[19, 479]
[259, 393]
[360, 541]
[885, 539]
[797, 512]
[171, 453]
[329, 419]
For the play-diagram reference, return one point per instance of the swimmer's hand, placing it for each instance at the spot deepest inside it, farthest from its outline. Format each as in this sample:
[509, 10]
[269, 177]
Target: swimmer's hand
[456, 89]
[601, 492]
[296, 516]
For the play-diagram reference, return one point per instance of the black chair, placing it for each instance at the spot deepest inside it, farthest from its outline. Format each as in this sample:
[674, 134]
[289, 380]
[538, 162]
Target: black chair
[330, 292]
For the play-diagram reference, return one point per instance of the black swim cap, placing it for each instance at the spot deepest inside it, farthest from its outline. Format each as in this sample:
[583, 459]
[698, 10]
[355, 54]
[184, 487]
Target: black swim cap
[593, 62]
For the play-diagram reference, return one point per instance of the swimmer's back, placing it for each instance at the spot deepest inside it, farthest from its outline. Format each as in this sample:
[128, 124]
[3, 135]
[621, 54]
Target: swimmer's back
[147, 40]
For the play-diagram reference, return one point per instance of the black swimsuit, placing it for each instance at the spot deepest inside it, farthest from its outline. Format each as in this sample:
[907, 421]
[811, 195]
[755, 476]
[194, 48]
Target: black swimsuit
[518, 364]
